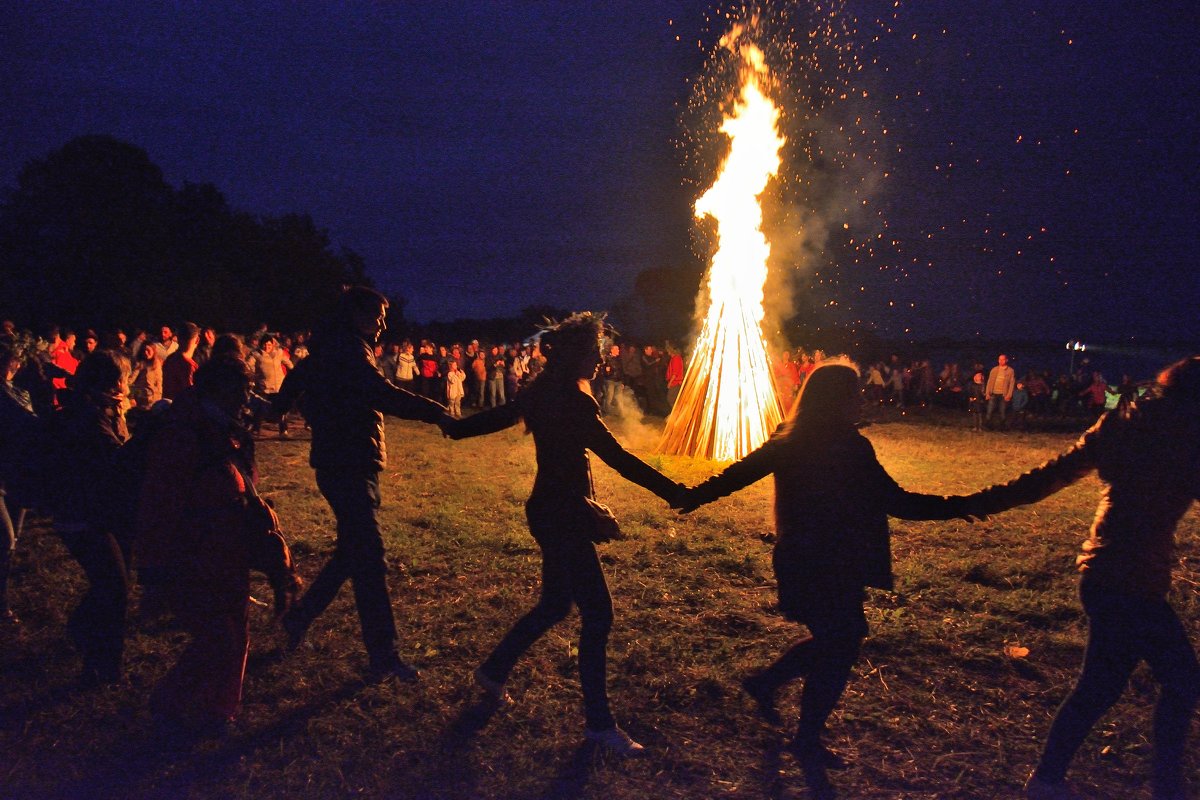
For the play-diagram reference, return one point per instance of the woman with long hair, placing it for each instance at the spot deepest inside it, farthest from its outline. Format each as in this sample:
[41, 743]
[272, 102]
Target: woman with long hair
[561, 413]
[832, 501]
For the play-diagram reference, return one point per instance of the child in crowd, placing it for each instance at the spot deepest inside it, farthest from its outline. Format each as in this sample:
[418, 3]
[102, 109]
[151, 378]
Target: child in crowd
[454, 388]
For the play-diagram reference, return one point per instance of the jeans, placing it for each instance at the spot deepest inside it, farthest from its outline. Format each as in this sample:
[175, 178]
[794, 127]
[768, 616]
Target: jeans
[608, 402]
[571, 574]
[995, 401]
[495, 392]
[1123, 630]
[825, 659]
[357, 557]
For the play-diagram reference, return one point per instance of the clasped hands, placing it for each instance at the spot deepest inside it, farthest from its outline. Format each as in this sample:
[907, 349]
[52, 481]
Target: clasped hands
[684, 499]
[966, 507]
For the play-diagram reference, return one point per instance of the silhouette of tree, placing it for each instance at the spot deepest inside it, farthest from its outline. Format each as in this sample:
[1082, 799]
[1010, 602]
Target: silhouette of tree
[92, 234]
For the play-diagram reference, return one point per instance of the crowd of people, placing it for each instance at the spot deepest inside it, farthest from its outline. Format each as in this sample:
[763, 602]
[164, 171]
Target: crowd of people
[143, 454]
[472, 375]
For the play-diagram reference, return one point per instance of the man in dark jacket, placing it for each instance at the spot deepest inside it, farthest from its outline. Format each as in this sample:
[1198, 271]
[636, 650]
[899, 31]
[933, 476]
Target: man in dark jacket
[343, 396]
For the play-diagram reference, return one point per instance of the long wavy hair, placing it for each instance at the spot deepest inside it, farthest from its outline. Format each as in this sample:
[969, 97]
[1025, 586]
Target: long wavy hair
[823, 398]
[568, 342]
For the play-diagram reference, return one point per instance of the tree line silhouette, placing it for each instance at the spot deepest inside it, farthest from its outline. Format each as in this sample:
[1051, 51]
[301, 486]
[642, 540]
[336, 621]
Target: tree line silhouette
[93, 235]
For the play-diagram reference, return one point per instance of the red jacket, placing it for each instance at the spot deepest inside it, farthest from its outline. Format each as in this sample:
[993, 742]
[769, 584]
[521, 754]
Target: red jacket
[192, 514]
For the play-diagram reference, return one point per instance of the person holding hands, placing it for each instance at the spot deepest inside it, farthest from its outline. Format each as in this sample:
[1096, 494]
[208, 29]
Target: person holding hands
[1147, 453]
[561, 413]
[832, 501]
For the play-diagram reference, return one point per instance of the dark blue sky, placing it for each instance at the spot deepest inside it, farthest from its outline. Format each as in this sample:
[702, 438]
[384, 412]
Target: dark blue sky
[487, 156]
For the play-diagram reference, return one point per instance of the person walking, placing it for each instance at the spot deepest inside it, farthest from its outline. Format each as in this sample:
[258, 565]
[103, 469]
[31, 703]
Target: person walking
[1147, 454]
[343, 397]
[561, 413]
[199, 520]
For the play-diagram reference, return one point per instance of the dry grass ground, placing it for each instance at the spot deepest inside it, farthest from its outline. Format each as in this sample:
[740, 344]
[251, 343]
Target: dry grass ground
[937, 709]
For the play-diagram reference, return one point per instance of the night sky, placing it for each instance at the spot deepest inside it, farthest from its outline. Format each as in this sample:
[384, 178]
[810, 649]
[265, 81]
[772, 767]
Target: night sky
[1037, 178]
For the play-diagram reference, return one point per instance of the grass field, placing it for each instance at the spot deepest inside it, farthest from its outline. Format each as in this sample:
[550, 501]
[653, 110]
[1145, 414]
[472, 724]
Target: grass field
[944, 703]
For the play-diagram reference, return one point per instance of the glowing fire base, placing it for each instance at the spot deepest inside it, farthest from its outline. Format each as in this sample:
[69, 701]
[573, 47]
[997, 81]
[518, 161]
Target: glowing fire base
[727, 405]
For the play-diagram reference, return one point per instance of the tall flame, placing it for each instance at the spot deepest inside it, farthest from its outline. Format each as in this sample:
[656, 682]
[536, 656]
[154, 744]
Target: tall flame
[727, 405]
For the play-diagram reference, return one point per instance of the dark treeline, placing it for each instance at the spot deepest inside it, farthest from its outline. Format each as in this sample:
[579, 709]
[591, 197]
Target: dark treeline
[92, 235]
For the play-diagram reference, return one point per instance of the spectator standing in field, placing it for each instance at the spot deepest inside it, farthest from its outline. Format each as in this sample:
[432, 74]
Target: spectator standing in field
[535, 364]
[146, 384]
[344, 396]
[674, 375]
[1093, 394]
[387, 364]
[874, 385]
[1039, 393]
[443, 357]
[631, 368]
[1020, 401]
[271, 364]
[84, 438]
[807, 365]
[787, 377]
[1147, 454]
[976, 400]
[454, 388]
[460, 358]
[1001, 382]
[832, 501]
[473, 385]
[179, 367]
[564, 419]
[478, 372]
[1064, 394]
[514, 370]
[495, 381]
[613, 378]
[427, 364]
[924, 382]
[406, 367]
[654, 374]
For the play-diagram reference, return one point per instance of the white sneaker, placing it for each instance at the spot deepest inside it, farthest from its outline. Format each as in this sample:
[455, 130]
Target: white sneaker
[615, 741]
[1038, 789]
[495, 691]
